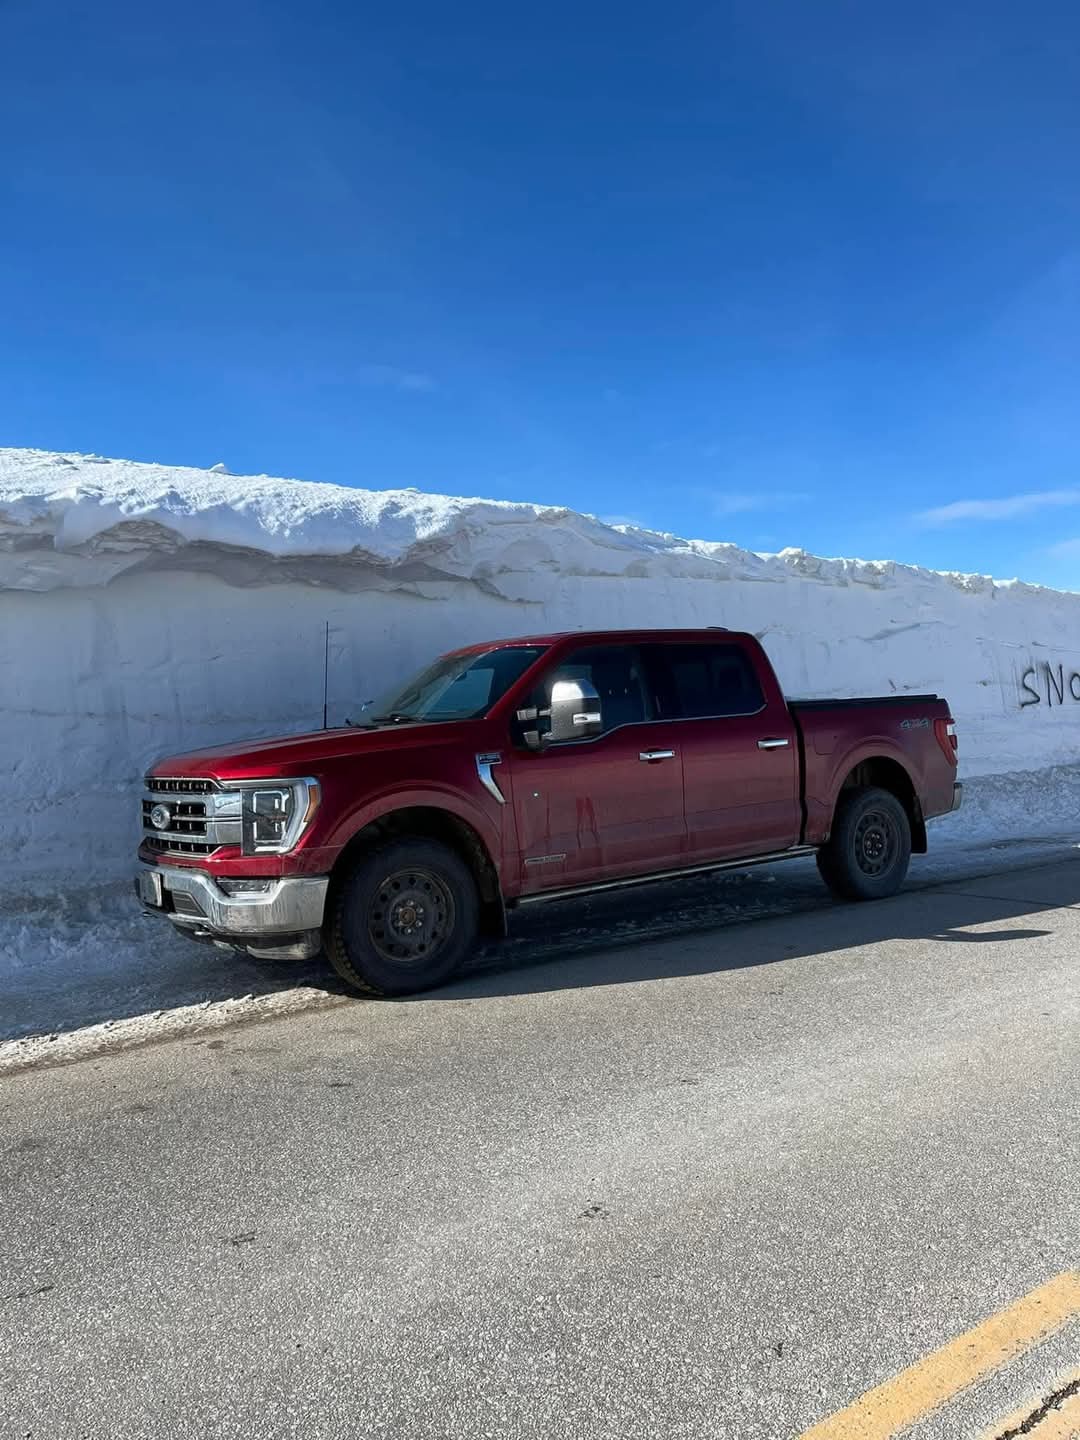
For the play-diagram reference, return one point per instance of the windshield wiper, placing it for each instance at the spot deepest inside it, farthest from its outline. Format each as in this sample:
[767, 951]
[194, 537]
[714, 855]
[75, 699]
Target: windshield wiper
[396, 717]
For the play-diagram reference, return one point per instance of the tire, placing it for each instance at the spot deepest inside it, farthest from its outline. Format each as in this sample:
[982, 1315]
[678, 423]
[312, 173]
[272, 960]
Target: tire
[869, 851]
[403, 920]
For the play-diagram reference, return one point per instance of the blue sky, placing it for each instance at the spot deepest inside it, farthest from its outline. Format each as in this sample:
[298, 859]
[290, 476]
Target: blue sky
[778, 273]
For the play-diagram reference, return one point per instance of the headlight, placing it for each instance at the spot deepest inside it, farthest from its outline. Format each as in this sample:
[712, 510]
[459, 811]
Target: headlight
[274, 815]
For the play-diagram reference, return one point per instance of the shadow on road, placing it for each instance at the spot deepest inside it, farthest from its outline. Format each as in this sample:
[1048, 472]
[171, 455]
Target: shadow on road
[600, 945]
[689, 927]
[996, 935]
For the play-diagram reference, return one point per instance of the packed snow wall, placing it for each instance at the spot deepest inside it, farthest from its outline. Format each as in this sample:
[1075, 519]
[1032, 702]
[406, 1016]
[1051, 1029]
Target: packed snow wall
[146, 609]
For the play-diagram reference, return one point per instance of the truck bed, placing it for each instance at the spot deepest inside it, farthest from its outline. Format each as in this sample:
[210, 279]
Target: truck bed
[860, 701]
[888, 740]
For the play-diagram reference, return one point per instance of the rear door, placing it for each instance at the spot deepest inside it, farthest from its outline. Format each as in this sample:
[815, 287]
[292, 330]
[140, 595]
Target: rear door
[738, 748]
[608, 806]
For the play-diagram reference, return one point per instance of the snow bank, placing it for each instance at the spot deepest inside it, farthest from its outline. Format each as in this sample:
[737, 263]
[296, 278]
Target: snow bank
[146, 608]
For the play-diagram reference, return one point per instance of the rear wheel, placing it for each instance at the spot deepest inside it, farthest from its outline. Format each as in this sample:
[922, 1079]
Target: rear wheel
[869, 851]
[404, 919]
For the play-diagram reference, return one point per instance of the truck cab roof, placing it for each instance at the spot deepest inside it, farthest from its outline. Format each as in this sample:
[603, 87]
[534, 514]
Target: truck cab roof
[605, 637]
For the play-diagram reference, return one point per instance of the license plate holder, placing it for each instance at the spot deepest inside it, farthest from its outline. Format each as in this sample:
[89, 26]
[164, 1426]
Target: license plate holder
[151, 891]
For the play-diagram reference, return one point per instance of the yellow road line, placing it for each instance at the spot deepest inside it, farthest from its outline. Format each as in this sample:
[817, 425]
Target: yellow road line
[922, 1387]
[1060, 1424]
[1013, 1425]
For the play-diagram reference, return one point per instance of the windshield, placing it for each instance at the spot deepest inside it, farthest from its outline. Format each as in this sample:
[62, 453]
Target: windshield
[457, 687]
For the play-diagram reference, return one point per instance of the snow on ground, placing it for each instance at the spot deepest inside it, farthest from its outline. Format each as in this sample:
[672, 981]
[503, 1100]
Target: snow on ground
[149, 608]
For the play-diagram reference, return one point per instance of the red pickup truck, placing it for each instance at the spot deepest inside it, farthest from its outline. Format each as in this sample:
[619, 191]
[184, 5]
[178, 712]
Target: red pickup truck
[529, 770]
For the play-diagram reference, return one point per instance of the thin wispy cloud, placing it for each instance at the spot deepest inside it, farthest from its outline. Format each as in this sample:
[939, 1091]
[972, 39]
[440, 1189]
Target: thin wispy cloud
[391, 377]
[746, 502]
[634, 521]
[1008, 507]
[1065, 550]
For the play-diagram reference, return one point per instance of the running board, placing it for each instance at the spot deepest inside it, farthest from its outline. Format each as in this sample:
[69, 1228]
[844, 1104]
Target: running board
[797, 852]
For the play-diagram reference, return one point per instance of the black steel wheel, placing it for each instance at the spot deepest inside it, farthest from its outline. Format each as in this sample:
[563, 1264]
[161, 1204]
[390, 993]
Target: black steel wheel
[869, 851]
[877, 838]
[403, 919]
[411, 915]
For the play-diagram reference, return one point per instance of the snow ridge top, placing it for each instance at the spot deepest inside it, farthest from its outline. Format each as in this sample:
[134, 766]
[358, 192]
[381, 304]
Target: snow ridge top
[71, 519]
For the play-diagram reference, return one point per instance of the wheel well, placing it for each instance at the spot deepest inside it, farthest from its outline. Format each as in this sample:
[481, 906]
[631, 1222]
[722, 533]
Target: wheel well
[890, 775]
[434, 824]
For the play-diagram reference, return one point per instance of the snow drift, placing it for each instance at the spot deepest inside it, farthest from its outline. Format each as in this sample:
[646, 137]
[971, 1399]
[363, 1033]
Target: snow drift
[146, 608]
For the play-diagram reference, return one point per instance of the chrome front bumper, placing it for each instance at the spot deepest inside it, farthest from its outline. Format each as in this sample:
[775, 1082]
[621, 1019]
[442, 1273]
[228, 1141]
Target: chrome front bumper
[291, 908]
[957, 795]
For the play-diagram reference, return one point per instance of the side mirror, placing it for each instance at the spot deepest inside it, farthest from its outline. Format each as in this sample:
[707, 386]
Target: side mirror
[575, 711]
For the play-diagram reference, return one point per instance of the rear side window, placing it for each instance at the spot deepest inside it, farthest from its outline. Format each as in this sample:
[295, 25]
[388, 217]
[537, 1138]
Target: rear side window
[698, 681]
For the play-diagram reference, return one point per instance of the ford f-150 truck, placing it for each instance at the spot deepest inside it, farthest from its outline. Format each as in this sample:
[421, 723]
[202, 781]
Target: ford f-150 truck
[528, 770]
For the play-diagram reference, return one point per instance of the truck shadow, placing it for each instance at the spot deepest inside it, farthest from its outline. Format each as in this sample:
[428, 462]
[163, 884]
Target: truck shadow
[132, 966]
[690, 927]
[605, 944]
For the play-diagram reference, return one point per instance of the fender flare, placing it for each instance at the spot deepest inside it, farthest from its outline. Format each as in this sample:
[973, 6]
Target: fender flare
[874, 748]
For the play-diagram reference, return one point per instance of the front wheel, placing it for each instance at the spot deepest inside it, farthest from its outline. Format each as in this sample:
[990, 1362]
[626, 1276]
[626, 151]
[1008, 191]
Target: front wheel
[403, 920]
[869, 851]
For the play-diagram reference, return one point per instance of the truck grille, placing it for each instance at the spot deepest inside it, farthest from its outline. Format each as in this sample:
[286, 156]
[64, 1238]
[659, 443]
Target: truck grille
[165, 845]
[181, 787]
[202, 817]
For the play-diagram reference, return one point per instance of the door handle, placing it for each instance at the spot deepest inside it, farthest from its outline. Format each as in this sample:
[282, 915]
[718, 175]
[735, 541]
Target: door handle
[773, 744]
[648, 755]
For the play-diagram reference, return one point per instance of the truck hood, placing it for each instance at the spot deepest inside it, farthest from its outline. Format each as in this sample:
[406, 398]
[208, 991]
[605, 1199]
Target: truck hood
[287, 755]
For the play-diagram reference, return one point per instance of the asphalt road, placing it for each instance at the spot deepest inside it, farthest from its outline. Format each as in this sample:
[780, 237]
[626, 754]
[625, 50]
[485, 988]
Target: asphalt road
[715, 1184]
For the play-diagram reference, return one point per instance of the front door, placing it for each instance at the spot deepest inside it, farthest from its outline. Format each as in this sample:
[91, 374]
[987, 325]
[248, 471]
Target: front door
[608, 806]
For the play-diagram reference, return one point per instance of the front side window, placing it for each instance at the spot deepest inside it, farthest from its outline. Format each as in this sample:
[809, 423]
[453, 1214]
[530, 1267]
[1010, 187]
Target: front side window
[615, 673]
[699, 681]
[457, 687]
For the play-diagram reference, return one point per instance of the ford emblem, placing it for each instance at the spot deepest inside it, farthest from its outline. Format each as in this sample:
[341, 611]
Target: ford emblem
[160, 817]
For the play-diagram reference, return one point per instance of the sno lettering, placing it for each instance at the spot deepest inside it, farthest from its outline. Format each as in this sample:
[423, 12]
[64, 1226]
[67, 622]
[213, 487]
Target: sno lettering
[1053, 688]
